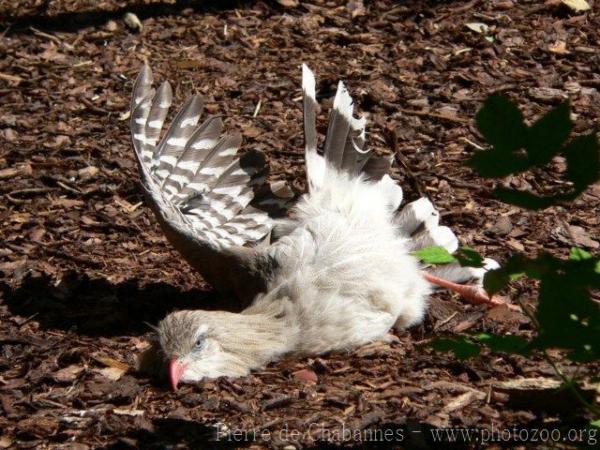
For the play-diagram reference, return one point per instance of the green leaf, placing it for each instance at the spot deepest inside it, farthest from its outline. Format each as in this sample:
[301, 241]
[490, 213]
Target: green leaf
[583, 161]
[462, 348]
[467, 257]
[516, 267]
[547, 135]
[568, 318]
[595, 423]
[434, 255]
[516, 148]
[578, 254]
[526, 200]
[506, 344]
[501, 124]
[495, 280]
[496, 163]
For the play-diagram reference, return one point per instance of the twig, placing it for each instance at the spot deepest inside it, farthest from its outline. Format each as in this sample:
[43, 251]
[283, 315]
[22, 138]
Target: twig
[28, 319]
[392, 137]
[46, 35]
[458, 183]
[474, 144]
[449, 118]
[7, 77]
[32, 191]
[5, 31]
[461, 9]
[445, 321]
[257, 109]
[16, 201]
[93, 108]
[68, 188]
[77, 259]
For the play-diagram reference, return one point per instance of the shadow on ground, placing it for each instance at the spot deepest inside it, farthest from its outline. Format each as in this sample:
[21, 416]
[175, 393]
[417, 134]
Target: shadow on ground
[96, 307]
[71, 21]
[180, 433]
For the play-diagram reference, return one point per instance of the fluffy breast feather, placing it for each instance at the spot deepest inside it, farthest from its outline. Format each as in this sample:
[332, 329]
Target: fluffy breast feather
[345, 271]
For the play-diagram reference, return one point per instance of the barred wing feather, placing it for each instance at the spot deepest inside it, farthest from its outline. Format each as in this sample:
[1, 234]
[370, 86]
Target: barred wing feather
[203, 192]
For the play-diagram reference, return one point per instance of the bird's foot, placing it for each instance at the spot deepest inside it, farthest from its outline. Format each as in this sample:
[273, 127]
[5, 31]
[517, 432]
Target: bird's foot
[472, 294]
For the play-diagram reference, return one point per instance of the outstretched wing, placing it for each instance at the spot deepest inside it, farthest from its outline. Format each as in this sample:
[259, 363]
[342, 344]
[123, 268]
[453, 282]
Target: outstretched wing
[212, 203]
[418, 221]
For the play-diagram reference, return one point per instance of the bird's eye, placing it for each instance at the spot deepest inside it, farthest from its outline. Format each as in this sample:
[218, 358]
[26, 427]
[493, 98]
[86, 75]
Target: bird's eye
[199, 343]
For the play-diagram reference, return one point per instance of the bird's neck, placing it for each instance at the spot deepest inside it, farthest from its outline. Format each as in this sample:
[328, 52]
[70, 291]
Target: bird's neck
[258, 337]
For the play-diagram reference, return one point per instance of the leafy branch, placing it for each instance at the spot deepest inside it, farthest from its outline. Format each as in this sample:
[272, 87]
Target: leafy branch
[566, 317]
[517, 148]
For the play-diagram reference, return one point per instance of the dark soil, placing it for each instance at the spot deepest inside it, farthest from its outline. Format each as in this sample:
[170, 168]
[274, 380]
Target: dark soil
[85, 264]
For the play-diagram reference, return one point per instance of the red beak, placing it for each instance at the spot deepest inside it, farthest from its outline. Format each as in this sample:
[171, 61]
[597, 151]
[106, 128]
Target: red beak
[176, 369]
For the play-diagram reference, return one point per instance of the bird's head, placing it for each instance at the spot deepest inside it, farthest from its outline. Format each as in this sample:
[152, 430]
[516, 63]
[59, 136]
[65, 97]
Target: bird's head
[210, 344]
[196, 345]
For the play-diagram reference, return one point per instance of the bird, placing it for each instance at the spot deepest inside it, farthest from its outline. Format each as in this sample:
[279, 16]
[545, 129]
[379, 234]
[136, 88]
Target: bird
[329, 270]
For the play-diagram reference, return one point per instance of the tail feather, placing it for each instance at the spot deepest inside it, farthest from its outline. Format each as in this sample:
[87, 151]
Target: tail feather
[315, 164]
[339, 126]
[434, 235]
[391, 191]
[414, 215]
[354, 157]
[213, 165]
[141, 103]
[343, 149]
[419, 220]
[142, 90]
[376, 167]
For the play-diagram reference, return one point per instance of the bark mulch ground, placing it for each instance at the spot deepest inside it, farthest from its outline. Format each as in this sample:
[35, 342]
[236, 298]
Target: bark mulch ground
[85, 265]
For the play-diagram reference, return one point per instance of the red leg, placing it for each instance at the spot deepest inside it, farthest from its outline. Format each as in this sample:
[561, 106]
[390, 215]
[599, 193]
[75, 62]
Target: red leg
[473, 294]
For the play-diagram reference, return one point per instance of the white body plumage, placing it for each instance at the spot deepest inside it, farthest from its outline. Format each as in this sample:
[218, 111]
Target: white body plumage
[346, 273]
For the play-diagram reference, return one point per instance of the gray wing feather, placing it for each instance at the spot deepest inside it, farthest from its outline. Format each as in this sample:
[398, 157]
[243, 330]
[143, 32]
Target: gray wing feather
[167, 152]
[199, 145]
[202, 193]
[156, 117]
[418, 221]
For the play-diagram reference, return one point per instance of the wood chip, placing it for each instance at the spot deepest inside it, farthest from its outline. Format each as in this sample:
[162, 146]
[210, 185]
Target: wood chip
[577, 5]
[463, 400]
[306, 375]
[68, 374]
[128, 412]
[133, 22]
[559, 47]
[582, 238]
[477, 27]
